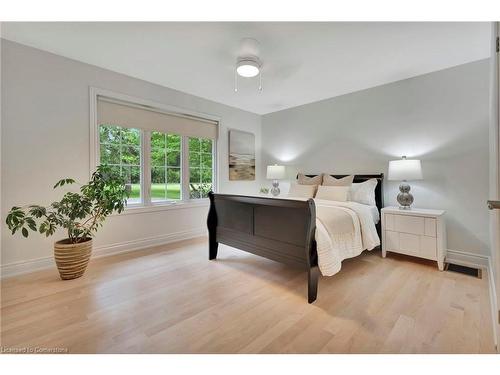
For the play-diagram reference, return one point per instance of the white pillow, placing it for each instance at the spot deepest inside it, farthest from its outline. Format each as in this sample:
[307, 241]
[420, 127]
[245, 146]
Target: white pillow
[302, 191]
[364, 192]
[332, 193]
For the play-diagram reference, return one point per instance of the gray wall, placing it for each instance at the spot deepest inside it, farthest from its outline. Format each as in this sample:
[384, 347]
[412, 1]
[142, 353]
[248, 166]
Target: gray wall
[45, 137]
[440, 118]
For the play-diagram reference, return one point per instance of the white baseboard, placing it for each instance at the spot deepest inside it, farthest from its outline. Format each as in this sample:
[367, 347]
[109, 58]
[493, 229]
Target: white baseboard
[464, 258]
[23, 267]
[484, 262]
[26, 266]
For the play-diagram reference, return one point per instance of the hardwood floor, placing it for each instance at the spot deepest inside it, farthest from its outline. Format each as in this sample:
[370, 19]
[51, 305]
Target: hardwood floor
[171, 299]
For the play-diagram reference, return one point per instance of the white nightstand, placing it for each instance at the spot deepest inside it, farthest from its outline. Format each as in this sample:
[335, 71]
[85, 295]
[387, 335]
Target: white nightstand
[417, 232]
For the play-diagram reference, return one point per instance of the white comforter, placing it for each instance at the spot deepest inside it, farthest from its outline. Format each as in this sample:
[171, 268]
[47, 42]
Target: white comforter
[343, 230]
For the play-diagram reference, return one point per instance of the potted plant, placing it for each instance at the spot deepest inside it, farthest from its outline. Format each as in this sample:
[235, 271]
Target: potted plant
[264, 190]
[80, 214]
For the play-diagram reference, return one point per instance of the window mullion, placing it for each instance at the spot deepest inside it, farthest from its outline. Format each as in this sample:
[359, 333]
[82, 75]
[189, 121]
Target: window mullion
[215, 169]
[185, 168]
[146, 167]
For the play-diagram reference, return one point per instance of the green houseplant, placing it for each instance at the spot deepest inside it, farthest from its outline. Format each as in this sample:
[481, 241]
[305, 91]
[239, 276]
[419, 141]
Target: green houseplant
[79, 213]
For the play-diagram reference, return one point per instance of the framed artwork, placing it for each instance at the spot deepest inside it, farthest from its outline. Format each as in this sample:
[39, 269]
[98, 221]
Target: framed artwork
[241, 156]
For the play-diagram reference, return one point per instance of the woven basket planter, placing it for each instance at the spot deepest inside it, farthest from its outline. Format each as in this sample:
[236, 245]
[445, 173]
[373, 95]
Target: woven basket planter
[72, 259]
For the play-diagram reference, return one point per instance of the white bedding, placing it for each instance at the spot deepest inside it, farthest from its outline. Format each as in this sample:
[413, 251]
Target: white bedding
[375, 213]
[343, 230]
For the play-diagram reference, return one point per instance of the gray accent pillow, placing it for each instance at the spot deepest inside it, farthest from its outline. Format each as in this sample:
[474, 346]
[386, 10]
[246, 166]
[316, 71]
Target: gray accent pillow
[302, 179]
[332, 181]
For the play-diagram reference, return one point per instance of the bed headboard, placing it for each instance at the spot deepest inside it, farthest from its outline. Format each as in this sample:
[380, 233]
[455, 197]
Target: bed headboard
[379, 189]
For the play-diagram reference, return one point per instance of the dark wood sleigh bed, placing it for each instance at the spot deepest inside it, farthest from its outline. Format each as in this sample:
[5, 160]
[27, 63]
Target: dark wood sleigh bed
[278, 229]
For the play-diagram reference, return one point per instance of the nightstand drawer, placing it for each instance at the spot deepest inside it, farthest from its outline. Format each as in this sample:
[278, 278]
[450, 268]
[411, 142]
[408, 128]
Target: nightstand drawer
[409, 224]
[411, 244]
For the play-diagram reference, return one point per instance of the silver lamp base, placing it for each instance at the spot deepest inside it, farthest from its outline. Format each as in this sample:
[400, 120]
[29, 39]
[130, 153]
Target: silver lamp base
[405, 199]
[275, 190]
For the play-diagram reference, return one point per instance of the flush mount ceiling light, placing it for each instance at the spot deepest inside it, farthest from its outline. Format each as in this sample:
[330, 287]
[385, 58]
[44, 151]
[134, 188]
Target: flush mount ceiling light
[248, 64]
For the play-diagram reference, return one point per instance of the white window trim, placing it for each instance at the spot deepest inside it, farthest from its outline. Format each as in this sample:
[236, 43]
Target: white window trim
[146, 205]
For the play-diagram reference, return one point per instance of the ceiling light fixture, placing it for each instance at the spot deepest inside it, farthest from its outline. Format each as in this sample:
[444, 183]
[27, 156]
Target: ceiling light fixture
[248, 64]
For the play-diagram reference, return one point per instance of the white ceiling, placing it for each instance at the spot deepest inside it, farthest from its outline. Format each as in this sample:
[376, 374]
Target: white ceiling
[303, 62]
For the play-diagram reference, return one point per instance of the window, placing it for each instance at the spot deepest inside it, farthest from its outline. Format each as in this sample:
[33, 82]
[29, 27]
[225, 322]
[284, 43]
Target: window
[163, 157]
[200, 167]
[120, 148]
[165, 166]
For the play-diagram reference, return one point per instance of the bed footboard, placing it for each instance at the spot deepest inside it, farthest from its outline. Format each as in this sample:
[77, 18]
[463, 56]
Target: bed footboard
[279, 229]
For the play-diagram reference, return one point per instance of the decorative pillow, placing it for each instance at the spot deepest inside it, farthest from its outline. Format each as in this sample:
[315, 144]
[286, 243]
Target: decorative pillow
[364, 192]
[332, 181]
[302, 191]
[304, 180]
[332, 193]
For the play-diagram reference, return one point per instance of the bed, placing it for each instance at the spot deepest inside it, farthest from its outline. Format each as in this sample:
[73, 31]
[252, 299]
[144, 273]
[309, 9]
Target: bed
[285, 229]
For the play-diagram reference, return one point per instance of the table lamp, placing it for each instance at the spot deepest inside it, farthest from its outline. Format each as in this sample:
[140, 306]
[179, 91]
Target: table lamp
[405, 170]
[276, 172]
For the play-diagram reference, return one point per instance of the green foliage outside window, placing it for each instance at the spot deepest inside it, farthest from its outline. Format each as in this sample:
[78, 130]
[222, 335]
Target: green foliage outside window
[200, 167]
[120, 149]
[165, 166]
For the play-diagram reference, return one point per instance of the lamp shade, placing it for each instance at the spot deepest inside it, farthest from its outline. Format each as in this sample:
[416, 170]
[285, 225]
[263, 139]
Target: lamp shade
[405, 170]
[276, 172]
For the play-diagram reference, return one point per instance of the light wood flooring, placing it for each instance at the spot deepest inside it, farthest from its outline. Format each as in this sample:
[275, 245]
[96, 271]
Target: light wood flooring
[172, 299]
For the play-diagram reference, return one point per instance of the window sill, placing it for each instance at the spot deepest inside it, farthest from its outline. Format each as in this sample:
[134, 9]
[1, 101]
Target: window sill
[158, 207]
